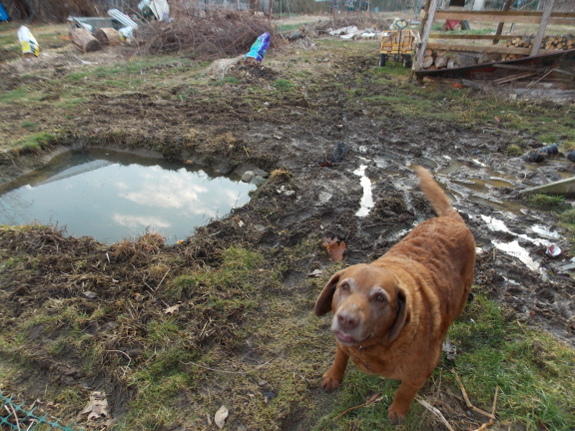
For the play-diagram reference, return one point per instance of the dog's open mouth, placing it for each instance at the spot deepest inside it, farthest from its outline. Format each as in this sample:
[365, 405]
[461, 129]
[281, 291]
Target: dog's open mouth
[344, 338]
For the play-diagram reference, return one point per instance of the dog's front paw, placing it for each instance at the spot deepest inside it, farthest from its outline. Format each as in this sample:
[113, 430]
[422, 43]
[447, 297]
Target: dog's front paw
[329, 383]
[394, 416]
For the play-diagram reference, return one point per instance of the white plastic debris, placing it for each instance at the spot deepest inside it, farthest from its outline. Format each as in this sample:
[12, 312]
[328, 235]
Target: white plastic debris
[28, 42]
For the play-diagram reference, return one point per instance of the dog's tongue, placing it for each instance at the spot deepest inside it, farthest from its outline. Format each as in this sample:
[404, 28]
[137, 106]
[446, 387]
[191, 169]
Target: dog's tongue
[345, 338]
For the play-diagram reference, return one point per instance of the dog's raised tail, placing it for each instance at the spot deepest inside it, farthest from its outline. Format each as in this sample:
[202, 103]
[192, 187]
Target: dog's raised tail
[438, 199]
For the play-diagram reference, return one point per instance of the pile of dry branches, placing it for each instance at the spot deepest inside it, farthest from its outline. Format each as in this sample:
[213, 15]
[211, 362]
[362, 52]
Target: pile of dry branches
[206, 35]
[51, 10]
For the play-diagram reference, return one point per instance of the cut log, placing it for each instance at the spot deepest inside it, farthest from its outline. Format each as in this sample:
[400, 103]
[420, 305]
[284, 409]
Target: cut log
[108, 36]
[451, 63]
[428, 52]
[441, 61]
[427, 61]
[84, 40]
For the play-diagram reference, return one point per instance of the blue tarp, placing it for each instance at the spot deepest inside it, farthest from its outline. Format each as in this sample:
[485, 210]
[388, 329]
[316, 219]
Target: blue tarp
[3, 14]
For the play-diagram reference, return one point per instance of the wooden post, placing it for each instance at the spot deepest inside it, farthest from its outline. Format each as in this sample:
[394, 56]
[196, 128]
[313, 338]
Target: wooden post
[542, 27]
[426, 26]
[499, 30]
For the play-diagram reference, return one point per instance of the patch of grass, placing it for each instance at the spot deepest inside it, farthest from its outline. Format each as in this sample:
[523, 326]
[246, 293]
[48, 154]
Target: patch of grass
[70, 103]
[514, 150]
[568, 146]
[568, 221]
[548, 138]
[14, 95]
[76, 76]
[283, 84]
[547, 202]
[34, 142]
[231, 80]
[533, 370]
[29, 125]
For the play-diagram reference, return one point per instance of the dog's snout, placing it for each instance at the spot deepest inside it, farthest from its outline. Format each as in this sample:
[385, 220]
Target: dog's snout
[347, 320]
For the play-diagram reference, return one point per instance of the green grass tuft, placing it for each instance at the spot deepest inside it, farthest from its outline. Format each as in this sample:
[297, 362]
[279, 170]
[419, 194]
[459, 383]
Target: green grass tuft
[283, 84]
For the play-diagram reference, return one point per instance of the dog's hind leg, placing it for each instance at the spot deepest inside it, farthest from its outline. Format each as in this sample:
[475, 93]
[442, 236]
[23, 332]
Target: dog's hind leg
[403, 397]
[333, 377]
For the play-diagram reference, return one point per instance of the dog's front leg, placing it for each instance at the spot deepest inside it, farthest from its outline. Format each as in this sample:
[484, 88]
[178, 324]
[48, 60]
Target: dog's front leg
[403, 397]
[334, 375]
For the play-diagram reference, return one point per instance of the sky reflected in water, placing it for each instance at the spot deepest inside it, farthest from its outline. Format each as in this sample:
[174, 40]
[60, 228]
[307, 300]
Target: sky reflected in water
[111, 196]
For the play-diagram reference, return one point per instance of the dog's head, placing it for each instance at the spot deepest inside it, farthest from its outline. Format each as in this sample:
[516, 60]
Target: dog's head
[367, 302]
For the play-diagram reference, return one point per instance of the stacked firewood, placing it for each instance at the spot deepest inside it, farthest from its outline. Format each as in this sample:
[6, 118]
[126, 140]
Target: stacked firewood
[437, 60]
[549, 42]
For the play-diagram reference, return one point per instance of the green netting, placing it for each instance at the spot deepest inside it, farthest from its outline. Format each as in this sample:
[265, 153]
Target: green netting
[15, 417]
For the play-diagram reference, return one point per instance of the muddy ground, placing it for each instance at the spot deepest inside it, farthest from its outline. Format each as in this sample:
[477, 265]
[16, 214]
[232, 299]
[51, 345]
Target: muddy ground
[295, 135]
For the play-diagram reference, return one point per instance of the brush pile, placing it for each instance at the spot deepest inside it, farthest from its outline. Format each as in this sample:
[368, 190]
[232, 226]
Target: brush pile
[206, 35]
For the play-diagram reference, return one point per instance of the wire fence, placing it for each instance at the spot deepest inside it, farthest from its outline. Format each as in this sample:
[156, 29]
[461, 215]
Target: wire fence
[15, 417]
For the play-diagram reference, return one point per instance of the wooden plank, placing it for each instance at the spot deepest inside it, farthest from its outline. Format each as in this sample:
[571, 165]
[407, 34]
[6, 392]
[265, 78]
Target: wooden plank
[499, 30]
[488, 48]
[542, 27]
[425, 34]
[518, 67]
[471, 36]
[499, 16]
[513, 77]
[561, 187]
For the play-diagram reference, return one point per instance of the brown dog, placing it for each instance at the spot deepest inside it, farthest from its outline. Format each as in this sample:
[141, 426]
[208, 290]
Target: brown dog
[391, 316]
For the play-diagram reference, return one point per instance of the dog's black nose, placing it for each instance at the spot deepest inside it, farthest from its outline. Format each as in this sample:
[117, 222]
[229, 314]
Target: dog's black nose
[347, 320]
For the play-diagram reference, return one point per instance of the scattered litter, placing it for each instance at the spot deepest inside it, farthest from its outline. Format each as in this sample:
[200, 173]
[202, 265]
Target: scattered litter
[344, 31]
[221, 416]
[173, 309]
[284, 191]
[126, 33]
[89, 294]
[315, 273]
[571, 156]
[550, 150]
[97, 406]
[259, 48]
[553, 251]
[123, 18]
[28, 42]
[159, 8]
[538, 156]
[340, 150]
[450, 349]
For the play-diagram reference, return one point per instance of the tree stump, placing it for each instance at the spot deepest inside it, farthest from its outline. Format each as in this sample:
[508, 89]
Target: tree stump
[84, 40]
[108, 36]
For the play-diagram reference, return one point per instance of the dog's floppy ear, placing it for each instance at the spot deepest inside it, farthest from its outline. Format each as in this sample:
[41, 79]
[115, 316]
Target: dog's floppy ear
[323, 303]
[401, 315]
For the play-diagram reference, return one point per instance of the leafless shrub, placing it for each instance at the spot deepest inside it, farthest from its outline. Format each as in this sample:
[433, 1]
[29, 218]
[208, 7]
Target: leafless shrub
[206, 34]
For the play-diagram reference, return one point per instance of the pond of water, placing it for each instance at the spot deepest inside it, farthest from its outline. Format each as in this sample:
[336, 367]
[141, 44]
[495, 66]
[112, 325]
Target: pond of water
[111, 196]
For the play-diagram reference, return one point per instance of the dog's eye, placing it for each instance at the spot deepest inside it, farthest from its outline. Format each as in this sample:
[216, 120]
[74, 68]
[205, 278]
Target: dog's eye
[381, 297]
[344, 287]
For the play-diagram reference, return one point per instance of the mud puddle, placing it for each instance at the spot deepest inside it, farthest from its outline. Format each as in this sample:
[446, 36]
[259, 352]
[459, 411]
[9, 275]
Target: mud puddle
[112, 195]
